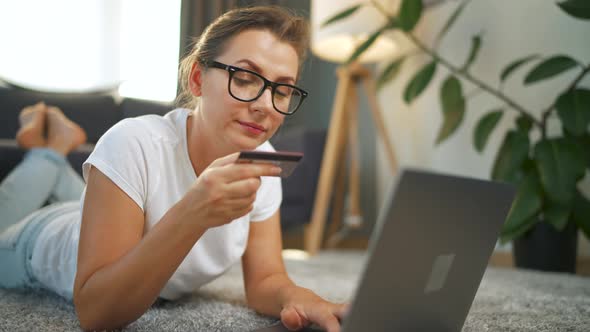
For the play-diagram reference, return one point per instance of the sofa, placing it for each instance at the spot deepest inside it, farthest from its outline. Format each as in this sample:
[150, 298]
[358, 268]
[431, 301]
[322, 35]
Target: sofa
[96, 112]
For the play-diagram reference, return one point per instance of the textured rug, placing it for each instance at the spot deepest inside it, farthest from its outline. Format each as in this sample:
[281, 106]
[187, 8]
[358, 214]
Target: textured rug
[507, 300]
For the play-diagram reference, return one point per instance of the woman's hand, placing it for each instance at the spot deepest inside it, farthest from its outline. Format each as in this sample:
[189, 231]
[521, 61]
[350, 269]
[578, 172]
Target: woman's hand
[225, 191]
[305, 307]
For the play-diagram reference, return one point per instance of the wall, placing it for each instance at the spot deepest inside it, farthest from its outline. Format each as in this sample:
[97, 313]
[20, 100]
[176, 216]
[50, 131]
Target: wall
[512, 29]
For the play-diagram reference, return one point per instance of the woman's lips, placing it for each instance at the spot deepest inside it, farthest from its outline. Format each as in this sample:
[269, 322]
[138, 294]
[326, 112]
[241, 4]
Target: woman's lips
[252, 127]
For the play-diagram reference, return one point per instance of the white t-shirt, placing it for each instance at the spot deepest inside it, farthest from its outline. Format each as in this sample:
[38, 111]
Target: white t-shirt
[147, 158]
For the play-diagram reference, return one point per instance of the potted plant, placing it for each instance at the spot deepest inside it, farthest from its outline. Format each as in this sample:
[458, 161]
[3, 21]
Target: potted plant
[546, 169]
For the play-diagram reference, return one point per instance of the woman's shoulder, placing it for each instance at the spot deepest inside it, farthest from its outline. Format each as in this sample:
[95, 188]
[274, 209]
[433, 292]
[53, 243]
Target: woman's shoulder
[150, 126]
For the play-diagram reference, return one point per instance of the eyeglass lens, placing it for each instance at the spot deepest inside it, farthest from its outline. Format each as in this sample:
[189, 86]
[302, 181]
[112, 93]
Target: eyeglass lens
[247, 86]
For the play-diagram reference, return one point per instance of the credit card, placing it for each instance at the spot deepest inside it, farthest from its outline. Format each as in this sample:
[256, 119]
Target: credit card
[286, 160]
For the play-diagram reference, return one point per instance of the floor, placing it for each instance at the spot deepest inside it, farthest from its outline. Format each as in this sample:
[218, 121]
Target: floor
[294, 240]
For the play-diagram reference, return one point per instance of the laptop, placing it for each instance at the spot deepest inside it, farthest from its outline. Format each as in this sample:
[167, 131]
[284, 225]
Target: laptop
[427, 254]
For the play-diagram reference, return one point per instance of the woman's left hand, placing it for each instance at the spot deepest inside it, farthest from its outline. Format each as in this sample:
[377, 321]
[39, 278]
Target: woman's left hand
[305, 307]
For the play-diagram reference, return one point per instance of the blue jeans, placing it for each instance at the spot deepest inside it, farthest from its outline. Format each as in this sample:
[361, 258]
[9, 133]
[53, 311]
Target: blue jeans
[44, 176]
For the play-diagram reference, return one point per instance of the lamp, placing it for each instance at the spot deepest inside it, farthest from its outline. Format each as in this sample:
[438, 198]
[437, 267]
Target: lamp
[335, 43]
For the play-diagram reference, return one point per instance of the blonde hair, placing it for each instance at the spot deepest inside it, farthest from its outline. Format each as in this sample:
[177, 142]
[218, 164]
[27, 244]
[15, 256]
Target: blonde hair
[285, 25]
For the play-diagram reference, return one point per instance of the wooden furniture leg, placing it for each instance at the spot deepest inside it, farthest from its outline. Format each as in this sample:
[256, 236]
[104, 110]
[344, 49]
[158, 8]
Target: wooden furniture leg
[337, 206]
[354, 215]
[315, 230]
[339, 195]
[371, 91]
[333, 154]
[351, 217]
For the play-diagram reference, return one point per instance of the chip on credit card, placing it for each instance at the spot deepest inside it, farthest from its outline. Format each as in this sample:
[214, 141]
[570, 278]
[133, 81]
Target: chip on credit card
[286, 160]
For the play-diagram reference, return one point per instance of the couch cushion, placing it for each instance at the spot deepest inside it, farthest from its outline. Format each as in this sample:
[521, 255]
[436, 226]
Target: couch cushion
[95, 112]
[10, 156]
[299, 188]
[131, 107]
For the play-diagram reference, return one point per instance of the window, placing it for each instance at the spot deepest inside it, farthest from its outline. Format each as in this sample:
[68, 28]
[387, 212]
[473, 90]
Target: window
[69, 45]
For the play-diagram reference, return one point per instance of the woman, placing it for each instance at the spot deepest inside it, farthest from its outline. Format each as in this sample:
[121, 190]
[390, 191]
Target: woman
[166, 207]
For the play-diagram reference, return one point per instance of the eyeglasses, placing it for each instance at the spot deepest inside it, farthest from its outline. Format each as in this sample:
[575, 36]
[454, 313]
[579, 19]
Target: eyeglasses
[246, 85]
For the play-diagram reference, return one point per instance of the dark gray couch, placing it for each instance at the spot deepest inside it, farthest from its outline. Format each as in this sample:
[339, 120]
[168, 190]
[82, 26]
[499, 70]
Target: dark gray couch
[97, 112]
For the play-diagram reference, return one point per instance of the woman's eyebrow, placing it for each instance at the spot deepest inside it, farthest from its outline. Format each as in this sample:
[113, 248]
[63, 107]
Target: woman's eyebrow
[257, 69]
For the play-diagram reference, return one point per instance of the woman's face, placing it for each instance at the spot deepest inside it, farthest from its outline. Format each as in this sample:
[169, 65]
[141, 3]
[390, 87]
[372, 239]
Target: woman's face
[242, 125]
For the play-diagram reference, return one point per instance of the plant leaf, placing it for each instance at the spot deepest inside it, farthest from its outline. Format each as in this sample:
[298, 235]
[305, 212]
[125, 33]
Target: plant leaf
[409, 14]
[390, 72]
[364, 46]
[392, 23]
[515, 65]
[581, 147]
[343, 14]
[484, 128]
[560, 168]
[525, 226]
[549, 68]
[581, 213]
[527, 204]
[419, 82]
[557, 215]
[576, 8]
[513, 152]
[585, 146]
[452, 20]
[453, 107]
[573, 108]
[524, 123]
[475, 46]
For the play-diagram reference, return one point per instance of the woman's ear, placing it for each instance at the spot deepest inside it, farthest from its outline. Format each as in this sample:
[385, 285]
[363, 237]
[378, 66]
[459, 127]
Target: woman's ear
[194, 80]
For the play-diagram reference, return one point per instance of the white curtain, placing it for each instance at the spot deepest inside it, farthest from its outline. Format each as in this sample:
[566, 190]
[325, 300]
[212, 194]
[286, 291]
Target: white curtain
[69, 45]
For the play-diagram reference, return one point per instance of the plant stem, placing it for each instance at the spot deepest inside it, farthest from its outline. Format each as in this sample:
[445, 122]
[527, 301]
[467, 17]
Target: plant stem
[473, 93]
[380, 8]
[457, 71]
[551, 107]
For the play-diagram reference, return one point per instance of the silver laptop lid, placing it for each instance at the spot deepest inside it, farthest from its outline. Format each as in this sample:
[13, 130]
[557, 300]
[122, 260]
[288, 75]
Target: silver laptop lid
[428, 253]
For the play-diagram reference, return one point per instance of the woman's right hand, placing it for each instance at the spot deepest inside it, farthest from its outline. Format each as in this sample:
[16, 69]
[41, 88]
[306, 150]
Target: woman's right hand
[225, 191]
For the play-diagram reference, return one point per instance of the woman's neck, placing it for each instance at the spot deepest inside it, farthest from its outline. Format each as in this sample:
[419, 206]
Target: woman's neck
[202, 149]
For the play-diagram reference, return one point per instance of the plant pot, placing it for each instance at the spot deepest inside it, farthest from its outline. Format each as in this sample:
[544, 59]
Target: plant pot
[544, 248]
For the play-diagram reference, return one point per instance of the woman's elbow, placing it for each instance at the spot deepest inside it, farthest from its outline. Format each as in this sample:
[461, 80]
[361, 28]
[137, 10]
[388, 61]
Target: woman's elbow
[90, 316]
[86, 317]
[92, 322]
[87, 323]
[81, 305]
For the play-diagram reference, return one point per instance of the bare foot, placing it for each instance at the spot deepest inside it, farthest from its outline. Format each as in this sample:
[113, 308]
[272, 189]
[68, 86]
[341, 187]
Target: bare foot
[63, 135]
[32, 121]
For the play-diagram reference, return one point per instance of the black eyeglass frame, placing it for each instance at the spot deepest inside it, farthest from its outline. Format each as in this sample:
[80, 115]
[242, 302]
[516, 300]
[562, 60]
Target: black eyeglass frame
[273, 85]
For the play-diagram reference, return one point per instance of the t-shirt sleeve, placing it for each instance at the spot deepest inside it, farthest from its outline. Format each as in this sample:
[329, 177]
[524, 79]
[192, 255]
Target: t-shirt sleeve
[120, 155]
[269, 195]
[268, 199]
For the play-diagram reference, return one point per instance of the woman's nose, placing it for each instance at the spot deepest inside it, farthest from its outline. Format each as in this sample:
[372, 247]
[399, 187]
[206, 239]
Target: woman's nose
[264, 102]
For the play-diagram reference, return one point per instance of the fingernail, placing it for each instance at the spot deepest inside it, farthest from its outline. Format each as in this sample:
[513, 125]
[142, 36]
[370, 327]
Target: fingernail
[276, 170]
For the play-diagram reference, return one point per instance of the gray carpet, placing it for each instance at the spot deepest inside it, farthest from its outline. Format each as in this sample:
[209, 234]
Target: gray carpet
[507, 300]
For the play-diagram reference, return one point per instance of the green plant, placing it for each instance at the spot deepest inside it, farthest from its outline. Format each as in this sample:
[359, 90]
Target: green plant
[545, 171]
